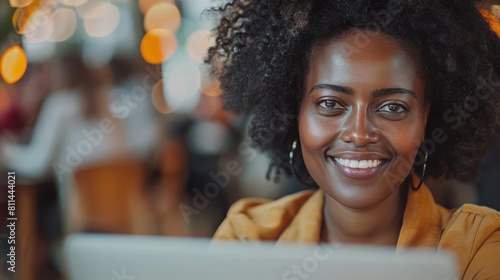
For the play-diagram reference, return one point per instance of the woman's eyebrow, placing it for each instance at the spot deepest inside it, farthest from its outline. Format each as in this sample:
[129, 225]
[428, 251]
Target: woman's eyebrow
[337, 88]
[376, 93]
[391, 91]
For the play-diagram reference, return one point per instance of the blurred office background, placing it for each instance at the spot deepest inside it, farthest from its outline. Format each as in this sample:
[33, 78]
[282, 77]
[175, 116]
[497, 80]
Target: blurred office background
[112, 124]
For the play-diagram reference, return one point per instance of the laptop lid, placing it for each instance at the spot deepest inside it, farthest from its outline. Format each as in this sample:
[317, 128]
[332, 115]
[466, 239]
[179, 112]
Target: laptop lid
[113, 257]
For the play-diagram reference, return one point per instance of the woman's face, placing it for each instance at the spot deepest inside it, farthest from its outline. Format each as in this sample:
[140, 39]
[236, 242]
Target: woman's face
[361, 119]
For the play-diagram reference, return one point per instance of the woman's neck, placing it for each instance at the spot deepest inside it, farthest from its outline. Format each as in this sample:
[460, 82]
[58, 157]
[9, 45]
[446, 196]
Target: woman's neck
[379, 224]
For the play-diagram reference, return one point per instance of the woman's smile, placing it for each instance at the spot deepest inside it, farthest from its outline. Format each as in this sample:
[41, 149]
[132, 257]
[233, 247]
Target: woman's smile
[356, 165]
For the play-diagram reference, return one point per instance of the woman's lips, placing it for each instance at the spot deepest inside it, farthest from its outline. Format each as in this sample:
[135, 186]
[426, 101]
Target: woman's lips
[359, 169]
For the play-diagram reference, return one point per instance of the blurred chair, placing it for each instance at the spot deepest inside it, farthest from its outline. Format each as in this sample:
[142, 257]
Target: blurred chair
[112, 197]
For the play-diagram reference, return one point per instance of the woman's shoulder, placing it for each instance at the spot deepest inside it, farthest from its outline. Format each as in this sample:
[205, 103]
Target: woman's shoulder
[477, 210]
[472, 222]
[261, 219]
[471, 216]
[473, 232]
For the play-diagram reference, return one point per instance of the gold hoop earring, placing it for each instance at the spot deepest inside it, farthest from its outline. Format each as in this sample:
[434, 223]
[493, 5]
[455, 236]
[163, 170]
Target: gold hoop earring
[423, 174]
[291, 156]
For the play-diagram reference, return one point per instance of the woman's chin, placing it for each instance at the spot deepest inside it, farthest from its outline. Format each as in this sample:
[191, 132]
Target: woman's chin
[359, 196]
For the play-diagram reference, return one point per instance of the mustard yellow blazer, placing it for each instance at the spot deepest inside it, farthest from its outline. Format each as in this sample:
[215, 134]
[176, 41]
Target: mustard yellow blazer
[471, 232]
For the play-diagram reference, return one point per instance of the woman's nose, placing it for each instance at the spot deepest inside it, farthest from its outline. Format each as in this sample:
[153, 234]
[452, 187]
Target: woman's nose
[360, 129]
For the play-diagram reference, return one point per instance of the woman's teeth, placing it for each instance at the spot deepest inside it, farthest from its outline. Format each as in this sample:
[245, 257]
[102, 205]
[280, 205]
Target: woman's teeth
[358, 163]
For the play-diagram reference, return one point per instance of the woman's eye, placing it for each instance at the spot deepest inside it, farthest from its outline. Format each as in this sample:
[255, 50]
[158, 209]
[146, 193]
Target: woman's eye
[330, 105]
[393, 108]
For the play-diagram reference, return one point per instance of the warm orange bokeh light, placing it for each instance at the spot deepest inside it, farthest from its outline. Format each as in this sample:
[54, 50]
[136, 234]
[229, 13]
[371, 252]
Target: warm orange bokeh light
[13, 64]
[158, 99]
[20, 3]
[492, 20]
[158, 45]
[21, 17]
[198, 44]
[211, 88]
[166, 16]
[145, 5]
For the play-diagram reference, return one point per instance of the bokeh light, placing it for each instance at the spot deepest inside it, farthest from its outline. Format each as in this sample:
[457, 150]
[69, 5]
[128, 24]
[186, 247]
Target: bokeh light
[158, 45]
[64, 21]
[93, 9]
[210, 87]
[20, 3]
[103, 24]
[13, 64]
[21, 17]
[45, 4]
[183, 86]
[4, 98]
[39, 26]
[495, 9]
[72, 3]
[495, 26]
[145, 5]
[158, 99]
[166, 16]
[492, 20]
[198, 44]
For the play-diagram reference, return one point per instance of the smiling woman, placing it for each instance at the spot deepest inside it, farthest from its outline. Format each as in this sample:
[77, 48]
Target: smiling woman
[385, 93]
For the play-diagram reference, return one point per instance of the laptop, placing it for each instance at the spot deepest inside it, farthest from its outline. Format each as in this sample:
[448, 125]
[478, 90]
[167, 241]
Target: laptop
[115, 257]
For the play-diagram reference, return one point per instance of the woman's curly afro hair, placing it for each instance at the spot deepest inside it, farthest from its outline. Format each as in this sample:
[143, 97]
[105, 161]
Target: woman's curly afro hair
[263, 48]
